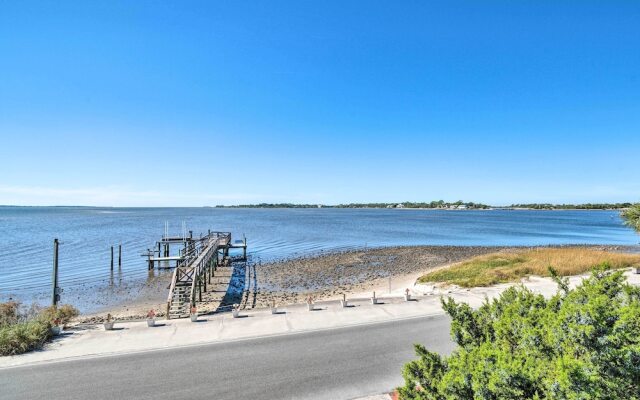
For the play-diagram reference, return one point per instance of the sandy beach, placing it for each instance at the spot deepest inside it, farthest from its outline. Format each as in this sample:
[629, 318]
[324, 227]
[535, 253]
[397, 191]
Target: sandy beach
[354, 273]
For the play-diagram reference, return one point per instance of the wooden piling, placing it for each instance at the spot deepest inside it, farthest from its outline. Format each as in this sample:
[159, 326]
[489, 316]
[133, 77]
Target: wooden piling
[56, 296]
[112, 258]
[119, 256]
[149, 260]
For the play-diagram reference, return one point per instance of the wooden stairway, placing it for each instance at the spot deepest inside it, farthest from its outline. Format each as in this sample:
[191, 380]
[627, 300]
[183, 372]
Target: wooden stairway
[180, 302]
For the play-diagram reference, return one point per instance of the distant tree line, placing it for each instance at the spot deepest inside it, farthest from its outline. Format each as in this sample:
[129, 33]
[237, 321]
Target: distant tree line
[271, 205]
[443, 204]
[406, 204]
[586, 206]
[410, 204]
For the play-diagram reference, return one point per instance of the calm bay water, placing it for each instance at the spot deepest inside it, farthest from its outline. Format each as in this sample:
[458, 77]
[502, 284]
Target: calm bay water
[86, 235]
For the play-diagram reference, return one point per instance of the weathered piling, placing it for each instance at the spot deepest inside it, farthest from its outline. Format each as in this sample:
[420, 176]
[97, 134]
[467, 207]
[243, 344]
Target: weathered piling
[56, 295]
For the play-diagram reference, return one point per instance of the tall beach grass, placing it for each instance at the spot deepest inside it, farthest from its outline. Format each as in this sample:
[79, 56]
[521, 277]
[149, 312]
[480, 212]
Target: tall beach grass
[23, 330]
[501, 267]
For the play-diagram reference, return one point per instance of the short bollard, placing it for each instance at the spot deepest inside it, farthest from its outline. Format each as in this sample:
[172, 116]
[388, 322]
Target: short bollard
[344, 302]
[193, 314]
[374, 299]
[274, 308]
[108, 323]
[236, 311]
[407, 295]
[310, 305]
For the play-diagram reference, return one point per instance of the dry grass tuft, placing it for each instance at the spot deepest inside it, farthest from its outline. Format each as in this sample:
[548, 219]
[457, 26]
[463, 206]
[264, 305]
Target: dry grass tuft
[504, 267]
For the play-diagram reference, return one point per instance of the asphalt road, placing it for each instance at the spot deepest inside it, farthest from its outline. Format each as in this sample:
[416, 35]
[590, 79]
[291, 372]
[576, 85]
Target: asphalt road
[332, 364]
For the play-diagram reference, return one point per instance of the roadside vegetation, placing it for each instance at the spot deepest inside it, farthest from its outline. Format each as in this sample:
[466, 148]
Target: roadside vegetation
[501, 267]
[25, 329]
[580, 344]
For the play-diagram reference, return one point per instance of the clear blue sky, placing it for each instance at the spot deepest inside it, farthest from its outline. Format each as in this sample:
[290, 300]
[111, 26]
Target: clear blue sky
[203, 103]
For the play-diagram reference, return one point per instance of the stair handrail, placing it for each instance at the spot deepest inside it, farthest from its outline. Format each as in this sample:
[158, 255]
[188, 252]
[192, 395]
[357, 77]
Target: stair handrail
[212, 245]
[171, 289]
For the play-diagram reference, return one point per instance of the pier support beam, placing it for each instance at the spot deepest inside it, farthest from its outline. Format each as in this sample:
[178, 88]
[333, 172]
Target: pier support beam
[204, 281]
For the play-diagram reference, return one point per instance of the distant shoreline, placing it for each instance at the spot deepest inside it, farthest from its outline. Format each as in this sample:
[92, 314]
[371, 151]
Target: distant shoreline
[407, 205]
[332, 207]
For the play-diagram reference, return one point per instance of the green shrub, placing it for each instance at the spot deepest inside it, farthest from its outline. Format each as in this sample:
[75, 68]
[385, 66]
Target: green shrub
[580, 344]
[631, 216]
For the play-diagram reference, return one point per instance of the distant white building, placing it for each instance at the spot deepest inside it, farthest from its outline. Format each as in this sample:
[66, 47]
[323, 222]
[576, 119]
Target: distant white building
[462, 207]
[400, 205]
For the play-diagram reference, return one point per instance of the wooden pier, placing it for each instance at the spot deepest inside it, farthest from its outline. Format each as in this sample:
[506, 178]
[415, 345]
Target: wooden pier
[195, 265]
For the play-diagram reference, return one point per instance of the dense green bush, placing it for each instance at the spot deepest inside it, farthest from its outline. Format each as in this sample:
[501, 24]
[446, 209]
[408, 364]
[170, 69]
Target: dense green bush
[632, 216]
[26, 330]
[580, 344]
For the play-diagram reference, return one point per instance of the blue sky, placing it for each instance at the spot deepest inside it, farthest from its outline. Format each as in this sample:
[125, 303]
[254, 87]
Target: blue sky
[204, 103]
